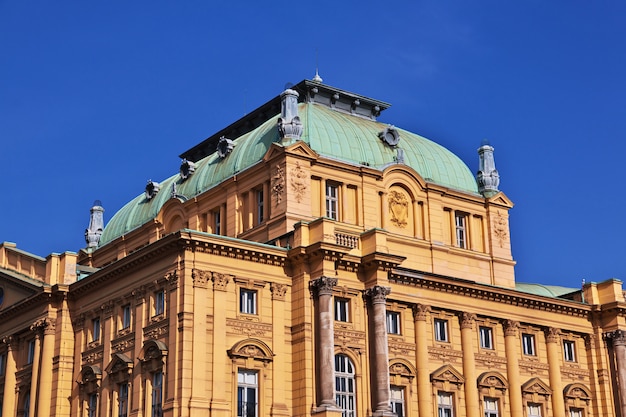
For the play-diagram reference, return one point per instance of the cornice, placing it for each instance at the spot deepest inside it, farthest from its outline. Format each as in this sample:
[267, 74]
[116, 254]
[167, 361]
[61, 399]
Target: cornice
[27, 305]
[490, 293]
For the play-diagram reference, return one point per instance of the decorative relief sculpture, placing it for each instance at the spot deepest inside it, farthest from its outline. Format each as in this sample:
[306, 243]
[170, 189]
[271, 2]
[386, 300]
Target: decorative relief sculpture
[278, 184]
[152, 189]
[377, 294]
[187, 168]
[200, 278]
[298, 181]
[553, 335]
[224, 147]
[510, 327]
[278, 291]
[499, 229]
[399, 208]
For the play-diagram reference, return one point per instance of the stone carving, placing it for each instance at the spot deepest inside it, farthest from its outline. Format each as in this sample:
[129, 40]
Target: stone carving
[511, 327]
[617, 337]
[278, 184]
[107, 308]
[420, 312]
[467, 320]
[220, 281]
[499, 229]
[298, 182]
[187, 168]
[278, 291]
[248, 328]
[390, 136]
[152, 189]
[322, 286]
[96, 225]
[200, 278]
[289, 124]
[377, 294]
[553, 335]
[224, 147]
[487, 177]
[398, 208]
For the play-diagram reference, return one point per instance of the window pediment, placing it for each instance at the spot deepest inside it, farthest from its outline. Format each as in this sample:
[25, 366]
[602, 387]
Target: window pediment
[253, 349]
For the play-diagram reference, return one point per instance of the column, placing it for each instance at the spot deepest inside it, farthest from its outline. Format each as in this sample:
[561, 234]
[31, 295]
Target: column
[377, 297]
[199, 398]
[45, 377]
[219, 405]
[279, 408]
[420, 315]
[8, 402]
[553, 338]
[469, 365]
[618, 339]
[511, 346]
[323, 292]
[36, 365]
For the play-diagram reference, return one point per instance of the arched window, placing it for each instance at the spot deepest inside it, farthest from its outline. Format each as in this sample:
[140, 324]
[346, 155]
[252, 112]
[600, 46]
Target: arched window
[345, 386]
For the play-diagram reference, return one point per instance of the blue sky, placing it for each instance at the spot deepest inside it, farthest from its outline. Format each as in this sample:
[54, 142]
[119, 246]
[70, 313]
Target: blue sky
[98, 97]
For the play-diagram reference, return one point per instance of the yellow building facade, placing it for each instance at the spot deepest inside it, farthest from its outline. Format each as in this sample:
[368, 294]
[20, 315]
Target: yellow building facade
[306, 260]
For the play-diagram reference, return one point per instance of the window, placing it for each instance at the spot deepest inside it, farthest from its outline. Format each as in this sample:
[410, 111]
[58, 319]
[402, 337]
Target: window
[331, 201]
[486, 337]
[344, 386]
[528, 344]
[397, 400]
[534, 410]
[157, 394]
[393, 322]
[575, 412]
[444, 404]
[247, 393]
[31, 352]
[92, 405]
[26, 404]
[122, 398]
[441, 330]
[159, 303]
[260, 213]
[125, 317]
[569, 351]
[217, 222]
[491, 407]
[342, 309]
[247, 301]
[2, 363]
[95, 329]
[460, 221]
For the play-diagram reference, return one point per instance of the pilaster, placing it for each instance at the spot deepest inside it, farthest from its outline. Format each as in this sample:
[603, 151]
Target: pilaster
[553, 339]
[467, 321]
[8, 402]
[424, 386]
[511, 347]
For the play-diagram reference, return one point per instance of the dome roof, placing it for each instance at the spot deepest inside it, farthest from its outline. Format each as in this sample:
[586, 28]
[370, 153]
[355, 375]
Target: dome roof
[331, 133]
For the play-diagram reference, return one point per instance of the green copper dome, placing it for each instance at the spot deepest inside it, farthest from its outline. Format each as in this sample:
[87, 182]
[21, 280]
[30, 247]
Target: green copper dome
[331, 133]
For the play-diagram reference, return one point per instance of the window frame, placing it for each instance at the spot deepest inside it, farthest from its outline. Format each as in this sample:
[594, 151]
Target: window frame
[529, 347]
[345, 385]
[441, 330]
[576, 412]
[539, 408]
[491, 412]
[248, 301]
[461, 235]
[125, 317]
[331, 199]
[123, 400]
[30, 354]
[342, 309]
[96, 329]
[92, 404]
[443, 409]
[244, 388]
[569, 351]
[397, 400]
[3, 359]
[393, 321]
[159, 303]
[485, 337]
[157, 394]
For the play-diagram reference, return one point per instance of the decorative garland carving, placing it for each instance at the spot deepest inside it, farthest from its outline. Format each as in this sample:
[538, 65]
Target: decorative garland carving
[278, 184]
[500, 229]
[399, 208]
[298, 181]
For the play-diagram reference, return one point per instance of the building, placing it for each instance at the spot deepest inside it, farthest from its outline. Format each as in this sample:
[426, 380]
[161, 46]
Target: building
[306, 260]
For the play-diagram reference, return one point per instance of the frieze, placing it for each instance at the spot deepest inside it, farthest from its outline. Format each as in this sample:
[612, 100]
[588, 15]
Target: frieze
[401, 348]
[93, 355]
[156, 330]
[534, 367]
[575, 372]
[278, 184]
[349, 337]
[444, 354]
[491, 361]
[248, 328]
[298, 181]
[122, 344]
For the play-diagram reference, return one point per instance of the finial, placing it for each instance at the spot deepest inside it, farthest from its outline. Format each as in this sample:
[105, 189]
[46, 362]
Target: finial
[487, 176]
[96, 225]
[289, 124]
[317, 77]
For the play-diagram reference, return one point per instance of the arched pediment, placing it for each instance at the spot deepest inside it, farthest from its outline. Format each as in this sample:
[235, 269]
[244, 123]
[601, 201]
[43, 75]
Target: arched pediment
[492, 379]
[120, 368]
[402, 367]
[152, 349]
[447, 374]
[577, 390]
[90, 373]
[536, 385]
[251, 348]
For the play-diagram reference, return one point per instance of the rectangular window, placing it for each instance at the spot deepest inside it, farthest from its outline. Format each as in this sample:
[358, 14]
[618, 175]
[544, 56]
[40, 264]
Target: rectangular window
[575, 412]
[217, 222]
[247, 393]
[247, 301]
[125, 317]
[31, 352]
[159, 303]
[491, 407]
[569, 350]
[95, 329]
[26, 405]
[441, 330]
[122, 398]
[157, 394]
[393, 322]
[534, 410]
[444, 405]
[486, 337]
[2, 364]
[92, 405]
[397, 400]
[260, 208]
[331, 201]
[528, 344]
[460, 220]
[342, 309]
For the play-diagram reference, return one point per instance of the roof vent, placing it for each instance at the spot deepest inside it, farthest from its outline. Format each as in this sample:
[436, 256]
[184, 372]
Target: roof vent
[390, 136]
[152, 188]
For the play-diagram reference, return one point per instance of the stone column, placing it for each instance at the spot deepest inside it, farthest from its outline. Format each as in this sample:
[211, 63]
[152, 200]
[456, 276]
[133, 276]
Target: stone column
[45, 377]
[618, 339]
[219, 405]
[469, 365]
[199, 400]
[511, 347]
[553, 339]
[322, 289]
[424, 386]
[36, 365]
[377, 297]
[279, 408]
[8, 402]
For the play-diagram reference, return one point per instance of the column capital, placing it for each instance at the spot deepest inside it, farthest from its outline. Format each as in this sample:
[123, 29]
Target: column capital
[220, 281]
[44, 325]
[377, 294]
[616, 337]
[553, 335]
[322, 286]
[200, 278]
[278, 291]
[511, 327]
[467, 320]
[10, 341]
[420, 312]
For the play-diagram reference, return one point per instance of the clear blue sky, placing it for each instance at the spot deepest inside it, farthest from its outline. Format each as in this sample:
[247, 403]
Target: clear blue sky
[98, 97]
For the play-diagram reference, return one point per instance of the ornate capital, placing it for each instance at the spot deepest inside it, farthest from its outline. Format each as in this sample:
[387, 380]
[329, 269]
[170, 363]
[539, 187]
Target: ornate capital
[278, 291]
[511, 327]
[41, 326]
[553, 335]
[10, 341]
[322, 286]
[590, 341]
[107, 308]
[172, 279]
[420, 312]
[200, 278]
[617, 337]
[377, 294]
[220, 281]
[467, 320]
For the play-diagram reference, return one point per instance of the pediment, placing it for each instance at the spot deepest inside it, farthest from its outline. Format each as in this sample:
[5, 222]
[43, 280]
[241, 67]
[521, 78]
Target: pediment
[447, 373]
[492, 379]
[15, 287]
[500, 199]
[402, 367]
[536, 385]
[577, 390]
[119, 363]
[251, 348]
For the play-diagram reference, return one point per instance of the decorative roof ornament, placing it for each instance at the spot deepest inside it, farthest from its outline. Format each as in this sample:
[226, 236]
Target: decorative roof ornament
[174, 193]
[317, 77]
[390, 136]
[289, 124]
[187, 168]
[96, 225]
[487, 176]
[225, 147]
[152, 189]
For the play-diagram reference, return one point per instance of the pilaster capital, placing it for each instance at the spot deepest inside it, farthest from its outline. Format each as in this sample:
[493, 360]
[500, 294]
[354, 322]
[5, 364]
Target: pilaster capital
[200, 278]
[590, 341]
[10, 341]
[107, 308]
[43, 326]
[617, 337]
[322, 286]
[511, 327]
[467, 320]
[220, 281]
[420, 312]
[553, 335]
[139, 294]
[172, 279]
[278, 291]
[377, 294]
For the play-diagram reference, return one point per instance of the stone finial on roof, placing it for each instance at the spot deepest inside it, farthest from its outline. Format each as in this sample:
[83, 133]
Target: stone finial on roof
[289, 124]
[487, 176]
[317, 77]
[96, 225]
